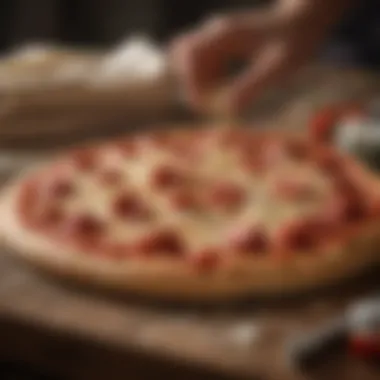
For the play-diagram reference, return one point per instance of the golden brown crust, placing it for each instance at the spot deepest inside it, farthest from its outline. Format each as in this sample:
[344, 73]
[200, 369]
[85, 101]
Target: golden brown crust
[171, 279]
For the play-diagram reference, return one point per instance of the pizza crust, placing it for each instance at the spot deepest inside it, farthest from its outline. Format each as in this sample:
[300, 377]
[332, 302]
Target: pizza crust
[177, 280]
[165, 278]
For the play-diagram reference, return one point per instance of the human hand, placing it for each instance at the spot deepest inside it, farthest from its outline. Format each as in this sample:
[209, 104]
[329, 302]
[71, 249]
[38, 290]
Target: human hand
[274, 41]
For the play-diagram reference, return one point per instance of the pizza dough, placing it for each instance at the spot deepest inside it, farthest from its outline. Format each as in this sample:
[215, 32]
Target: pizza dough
[197, 214]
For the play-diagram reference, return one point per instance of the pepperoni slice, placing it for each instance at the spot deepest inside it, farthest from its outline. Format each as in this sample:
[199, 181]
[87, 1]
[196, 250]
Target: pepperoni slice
[159, 140]
[274, 151]
[205, 260]
[328, 162]
[346, 186]
[293, 189]
[249, 240]
[84, 160]
[297, 149]
[226, 195]
[165, 176]
[131, 206]
[146, 143]
[110, 177]
[236, 138]
[349, 203]
[253, 162]
[128, 147]
[257, 159]
[47, 215]
[52, 215]
[60, 187]
[298, 235]
[186, 146]
[117, 250]
[166, 242]
[341, 210]
[354, 209]
[28, 196]
[184, 200]
[85, 226]
[35, 210]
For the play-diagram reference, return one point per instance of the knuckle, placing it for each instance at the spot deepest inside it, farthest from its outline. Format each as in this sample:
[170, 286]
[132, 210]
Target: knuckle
[221, 24]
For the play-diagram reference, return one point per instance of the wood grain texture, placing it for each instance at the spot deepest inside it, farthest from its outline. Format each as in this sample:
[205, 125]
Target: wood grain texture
[81, 335]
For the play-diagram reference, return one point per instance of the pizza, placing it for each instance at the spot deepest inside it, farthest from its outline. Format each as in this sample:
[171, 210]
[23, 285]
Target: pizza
[197, 214]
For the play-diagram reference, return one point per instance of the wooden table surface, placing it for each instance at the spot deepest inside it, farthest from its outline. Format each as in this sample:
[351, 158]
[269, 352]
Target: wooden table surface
[81, 335]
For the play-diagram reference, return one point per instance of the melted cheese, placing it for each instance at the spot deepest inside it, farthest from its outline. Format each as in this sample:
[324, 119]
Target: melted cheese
[209, 226]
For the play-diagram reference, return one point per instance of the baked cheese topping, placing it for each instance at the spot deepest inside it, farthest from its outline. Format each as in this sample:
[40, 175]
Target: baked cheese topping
[192, 193]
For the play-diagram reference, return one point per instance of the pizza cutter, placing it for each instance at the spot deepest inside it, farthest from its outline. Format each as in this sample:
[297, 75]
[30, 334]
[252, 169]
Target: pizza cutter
[352, 127]
[357, 330]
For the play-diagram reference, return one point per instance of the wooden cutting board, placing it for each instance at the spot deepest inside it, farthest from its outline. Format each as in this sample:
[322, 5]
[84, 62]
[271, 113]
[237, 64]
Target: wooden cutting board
[80, 335]
[52, 96]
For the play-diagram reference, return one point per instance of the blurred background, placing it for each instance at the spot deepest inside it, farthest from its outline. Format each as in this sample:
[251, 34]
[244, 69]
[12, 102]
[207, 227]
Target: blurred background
[100, 24]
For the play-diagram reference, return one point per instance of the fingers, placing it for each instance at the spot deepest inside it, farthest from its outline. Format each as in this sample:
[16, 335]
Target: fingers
[185, 63]
[274, 63]
[200, 58]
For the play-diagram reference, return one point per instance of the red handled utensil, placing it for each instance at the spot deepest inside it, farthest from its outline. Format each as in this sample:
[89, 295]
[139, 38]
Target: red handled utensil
[357, 330]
